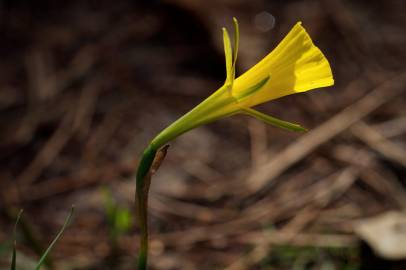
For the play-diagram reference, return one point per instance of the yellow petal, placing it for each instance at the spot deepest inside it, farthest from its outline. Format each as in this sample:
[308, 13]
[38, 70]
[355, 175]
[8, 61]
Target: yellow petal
[295, 65]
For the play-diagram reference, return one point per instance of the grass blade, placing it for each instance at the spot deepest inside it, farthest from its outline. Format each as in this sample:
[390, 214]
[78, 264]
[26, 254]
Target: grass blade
[14, 256]
[67, 221]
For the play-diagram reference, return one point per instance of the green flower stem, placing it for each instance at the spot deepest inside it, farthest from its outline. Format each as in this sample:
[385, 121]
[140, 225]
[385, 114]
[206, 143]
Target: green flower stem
[220, 104]
[144, 166]
[143, 180]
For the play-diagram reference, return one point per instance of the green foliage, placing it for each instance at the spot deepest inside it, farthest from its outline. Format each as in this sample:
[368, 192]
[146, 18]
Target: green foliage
[14, 256]
[65, 225]
[5, 248]
[48, 250]
[119, 218]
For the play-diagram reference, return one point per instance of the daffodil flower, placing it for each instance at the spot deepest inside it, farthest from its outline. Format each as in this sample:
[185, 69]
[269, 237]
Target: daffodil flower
[295, 65]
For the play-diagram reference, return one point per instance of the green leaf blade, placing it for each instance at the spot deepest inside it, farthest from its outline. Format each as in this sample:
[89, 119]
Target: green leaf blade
[14, 256]
[65, 225]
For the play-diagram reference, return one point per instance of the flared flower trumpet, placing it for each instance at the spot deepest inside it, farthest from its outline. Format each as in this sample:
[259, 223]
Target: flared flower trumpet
[295, 65]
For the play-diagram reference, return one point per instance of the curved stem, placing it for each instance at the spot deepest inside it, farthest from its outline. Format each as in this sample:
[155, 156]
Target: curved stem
[143, 180]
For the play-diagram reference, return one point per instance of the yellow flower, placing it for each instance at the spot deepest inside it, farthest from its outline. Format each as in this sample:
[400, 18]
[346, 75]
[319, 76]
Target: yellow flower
[295, 65]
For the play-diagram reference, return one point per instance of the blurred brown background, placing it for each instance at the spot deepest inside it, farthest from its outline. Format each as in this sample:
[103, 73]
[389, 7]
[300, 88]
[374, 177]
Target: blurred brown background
[84, 85]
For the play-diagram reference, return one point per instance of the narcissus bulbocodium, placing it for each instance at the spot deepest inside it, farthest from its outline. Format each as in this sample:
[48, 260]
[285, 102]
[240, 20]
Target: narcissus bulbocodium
[295, 65]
